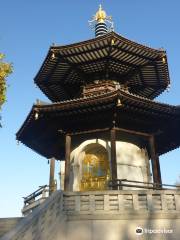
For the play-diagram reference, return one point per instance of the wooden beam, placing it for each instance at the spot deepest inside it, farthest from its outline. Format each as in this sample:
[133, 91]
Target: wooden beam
[107, 129]
[89, 131]
[113, 154]
[134, 132]
[155, 162]
[67, 161]
[52, 187]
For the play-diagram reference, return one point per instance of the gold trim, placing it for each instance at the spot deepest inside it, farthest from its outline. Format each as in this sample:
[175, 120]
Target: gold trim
[100, 15]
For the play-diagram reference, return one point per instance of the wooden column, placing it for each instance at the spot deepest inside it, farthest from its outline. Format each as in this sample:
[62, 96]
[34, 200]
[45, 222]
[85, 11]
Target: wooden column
[155, 162]
[113, 154]
[51, 176]
[67, 161]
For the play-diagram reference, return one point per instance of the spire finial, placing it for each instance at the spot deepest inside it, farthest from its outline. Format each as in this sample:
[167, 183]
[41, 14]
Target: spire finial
[101, 22]
[100, 15]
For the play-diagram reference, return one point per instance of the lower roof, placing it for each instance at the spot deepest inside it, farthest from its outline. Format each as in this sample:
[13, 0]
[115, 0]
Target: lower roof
[45, 126]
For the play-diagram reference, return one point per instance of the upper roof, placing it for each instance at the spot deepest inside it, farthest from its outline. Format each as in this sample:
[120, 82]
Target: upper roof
[109, 57]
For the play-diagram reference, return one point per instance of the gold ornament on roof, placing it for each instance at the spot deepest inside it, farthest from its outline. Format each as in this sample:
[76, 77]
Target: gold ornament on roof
[100, 15]
[164, 60]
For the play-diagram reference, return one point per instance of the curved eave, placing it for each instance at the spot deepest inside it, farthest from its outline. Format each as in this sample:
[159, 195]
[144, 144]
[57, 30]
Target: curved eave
[66, 105]
[33, 131]
[42, 133]
[141, 66]
[28, 119]
[125, 96]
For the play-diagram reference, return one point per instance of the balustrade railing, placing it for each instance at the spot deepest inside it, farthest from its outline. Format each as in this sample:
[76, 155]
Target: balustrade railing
[121, 201]
[35, 199]
[129, 195]
[120, 184]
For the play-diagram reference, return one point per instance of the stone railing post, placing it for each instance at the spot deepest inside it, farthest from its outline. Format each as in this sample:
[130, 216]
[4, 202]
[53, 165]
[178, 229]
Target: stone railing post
[106, 202]
[149, 202]
[135, 202]
[77, 203]
[164, 202]
[92, 206]
[121, 202]
[177, 201]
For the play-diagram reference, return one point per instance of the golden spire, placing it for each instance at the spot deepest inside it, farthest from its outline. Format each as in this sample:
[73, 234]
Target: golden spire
[100, 15]
[101, 22]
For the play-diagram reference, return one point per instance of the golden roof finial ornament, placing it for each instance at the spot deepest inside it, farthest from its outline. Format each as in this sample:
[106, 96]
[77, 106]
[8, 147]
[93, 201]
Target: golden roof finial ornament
[100, 15]
[101, 22]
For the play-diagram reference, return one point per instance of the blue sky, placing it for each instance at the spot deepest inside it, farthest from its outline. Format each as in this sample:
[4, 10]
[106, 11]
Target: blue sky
[27, 30]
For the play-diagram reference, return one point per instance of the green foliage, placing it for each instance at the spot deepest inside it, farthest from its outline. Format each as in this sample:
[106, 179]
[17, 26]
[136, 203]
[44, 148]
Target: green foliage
[5, 70]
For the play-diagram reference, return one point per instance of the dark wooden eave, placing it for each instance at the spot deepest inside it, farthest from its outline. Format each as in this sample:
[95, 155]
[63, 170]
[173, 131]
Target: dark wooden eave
[66, 68]
[44, 132]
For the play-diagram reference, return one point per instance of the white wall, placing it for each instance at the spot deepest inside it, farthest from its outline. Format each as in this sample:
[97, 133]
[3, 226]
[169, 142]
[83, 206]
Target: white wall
[132, 162]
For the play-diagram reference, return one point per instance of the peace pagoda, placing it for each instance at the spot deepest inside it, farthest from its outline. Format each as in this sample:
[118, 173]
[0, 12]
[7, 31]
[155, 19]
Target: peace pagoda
[105, 128]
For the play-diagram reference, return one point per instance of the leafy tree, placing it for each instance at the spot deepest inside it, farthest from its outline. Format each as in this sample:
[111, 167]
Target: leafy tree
[5, 70]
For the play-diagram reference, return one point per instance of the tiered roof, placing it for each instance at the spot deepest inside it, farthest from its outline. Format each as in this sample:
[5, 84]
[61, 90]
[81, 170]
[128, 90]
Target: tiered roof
[44, 128]
[66, 69]
[69, 76]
